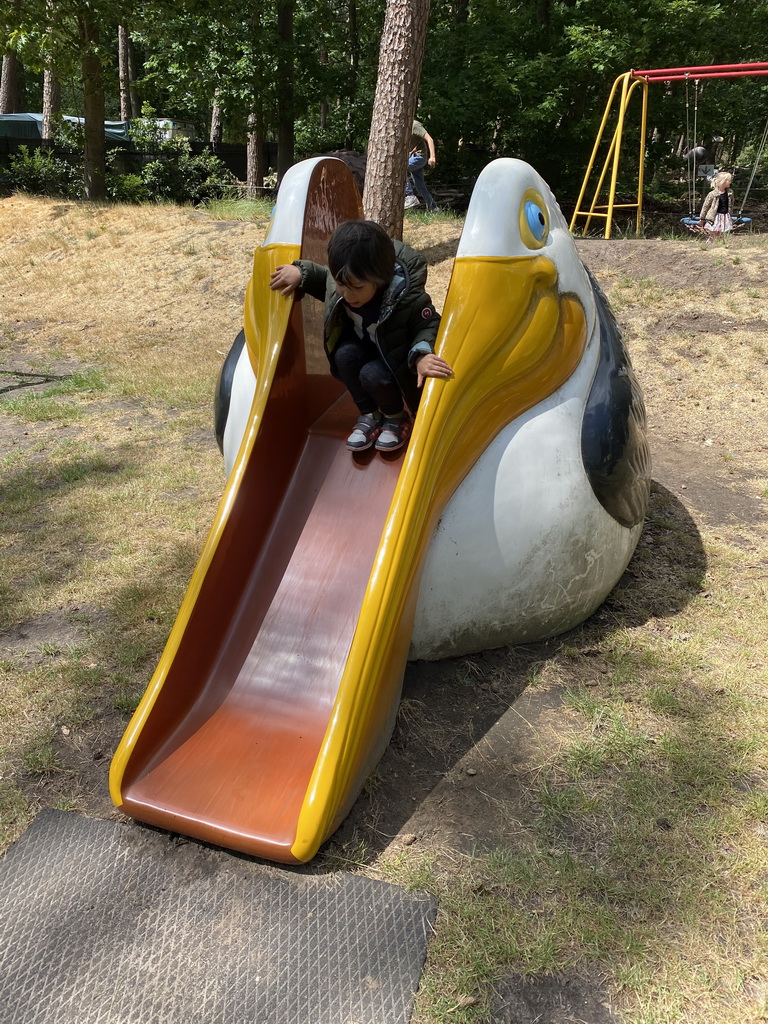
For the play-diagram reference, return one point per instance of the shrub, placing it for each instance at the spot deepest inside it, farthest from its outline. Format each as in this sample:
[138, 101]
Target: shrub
[175, 174]
[69, 134]
[178, 176]
[145, 131]
[41, 173]
[127, 188]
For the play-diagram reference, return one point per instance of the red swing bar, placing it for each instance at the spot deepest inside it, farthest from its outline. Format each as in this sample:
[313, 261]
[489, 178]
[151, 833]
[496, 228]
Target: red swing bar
[704, 69]
[698, 77]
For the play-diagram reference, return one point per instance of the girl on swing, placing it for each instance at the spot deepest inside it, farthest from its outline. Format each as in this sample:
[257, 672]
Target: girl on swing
[716, 217]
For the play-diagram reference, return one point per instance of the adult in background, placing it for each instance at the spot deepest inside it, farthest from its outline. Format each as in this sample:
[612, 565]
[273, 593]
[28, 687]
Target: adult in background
[422, 154]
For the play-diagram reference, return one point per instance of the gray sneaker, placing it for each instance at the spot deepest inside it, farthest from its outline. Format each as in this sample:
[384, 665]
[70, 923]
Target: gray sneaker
[366, 431]
[394, 434]
[411, 202]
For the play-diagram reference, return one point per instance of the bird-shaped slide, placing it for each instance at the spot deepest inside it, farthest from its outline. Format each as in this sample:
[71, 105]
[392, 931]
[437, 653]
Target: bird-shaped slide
[278, 689]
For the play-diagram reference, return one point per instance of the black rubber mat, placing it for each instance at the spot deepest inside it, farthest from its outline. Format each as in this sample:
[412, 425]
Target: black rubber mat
[107, 923]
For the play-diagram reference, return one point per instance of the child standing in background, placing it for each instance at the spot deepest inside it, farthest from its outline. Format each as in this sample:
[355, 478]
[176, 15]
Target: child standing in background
[379, 327]
[716, 216]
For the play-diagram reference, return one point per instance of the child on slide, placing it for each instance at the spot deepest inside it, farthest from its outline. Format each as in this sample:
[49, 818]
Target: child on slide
[379, 327]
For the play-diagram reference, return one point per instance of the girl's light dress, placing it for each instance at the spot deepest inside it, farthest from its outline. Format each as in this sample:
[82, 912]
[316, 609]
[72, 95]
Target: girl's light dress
[721, 224]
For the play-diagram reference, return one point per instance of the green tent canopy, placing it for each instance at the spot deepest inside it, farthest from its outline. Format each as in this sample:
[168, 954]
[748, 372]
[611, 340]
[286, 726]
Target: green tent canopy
[30, 126]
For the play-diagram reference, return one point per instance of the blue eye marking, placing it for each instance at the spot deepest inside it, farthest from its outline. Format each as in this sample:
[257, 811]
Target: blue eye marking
[536, 220]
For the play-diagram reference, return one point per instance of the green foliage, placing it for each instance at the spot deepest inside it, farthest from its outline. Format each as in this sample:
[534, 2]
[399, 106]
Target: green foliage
[145, 131]
[531, 80]
[528, 79]
[127, 188]
[180, 177]
[41, 173]
[69, 134]
[312, 137]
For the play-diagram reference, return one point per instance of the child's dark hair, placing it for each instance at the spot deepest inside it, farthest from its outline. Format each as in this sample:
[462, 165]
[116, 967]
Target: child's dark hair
[361, 249]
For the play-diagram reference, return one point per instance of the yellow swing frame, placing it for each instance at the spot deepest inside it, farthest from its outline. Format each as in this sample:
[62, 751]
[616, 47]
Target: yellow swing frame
[624, 87]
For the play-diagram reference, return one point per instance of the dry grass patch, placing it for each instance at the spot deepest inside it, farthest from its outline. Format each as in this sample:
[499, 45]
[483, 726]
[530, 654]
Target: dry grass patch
[149, 290]
[697, 326]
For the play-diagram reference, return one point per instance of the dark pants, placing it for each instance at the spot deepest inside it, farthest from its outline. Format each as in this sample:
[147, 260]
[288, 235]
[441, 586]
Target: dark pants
[370, 381]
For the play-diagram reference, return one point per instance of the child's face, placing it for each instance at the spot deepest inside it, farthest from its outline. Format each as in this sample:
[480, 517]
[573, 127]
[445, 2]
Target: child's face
[356, 293]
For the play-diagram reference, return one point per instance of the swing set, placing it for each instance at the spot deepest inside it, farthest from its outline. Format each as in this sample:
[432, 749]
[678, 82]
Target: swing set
[621, 94]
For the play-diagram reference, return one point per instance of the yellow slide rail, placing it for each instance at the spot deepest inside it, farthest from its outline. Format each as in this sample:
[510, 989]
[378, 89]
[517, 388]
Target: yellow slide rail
[507, 356]
[268, 324]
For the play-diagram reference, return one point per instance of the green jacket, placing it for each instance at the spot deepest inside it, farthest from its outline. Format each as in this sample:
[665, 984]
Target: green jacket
[408, 321]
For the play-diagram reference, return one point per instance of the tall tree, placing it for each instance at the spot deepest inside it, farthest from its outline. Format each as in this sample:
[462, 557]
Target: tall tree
[9, 77]
[216, 131]
[51, 103]
[400, 58]
[128, 100]
[51, 85]
[71, 42]
[354, 63]
[9, 84]
[221, 66]
[255, 151]
[256, 140]
[95, 157]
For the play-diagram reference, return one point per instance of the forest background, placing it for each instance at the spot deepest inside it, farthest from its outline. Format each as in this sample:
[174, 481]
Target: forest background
[500, 78]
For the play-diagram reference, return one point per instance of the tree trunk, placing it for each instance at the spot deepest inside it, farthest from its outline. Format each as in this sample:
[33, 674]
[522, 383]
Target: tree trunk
[51, 104]
[9, 84]
[217, 125]
[324, 106]
[124, 72]
[51, 85]
[10, 78]
[132, 93]
[285, 88]
[400, 58]
[93, 89]
[354, 47]
[255, 166]
[255, 152]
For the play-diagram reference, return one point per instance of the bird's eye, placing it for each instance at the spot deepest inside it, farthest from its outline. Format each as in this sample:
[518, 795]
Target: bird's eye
[534, 222]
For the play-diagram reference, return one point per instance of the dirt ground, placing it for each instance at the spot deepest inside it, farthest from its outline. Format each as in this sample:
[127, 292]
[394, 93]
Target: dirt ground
[683, 307]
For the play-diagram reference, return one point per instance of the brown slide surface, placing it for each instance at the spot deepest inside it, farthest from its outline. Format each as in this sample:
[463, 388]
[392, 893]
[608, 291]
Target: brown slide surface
[242, 753]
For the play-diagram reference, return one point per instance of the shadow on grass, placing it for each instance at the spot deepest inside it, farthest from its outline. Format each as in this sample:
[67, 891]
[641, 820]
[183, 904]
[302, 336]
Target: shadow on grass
[458, 701]
[37, 519]
[441, 251]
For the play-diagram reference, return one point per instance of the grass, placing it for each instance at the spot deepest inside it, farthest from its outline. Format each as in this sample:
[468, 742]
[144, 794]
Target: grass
[643, 858]
[631, 852]
[240, 209]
